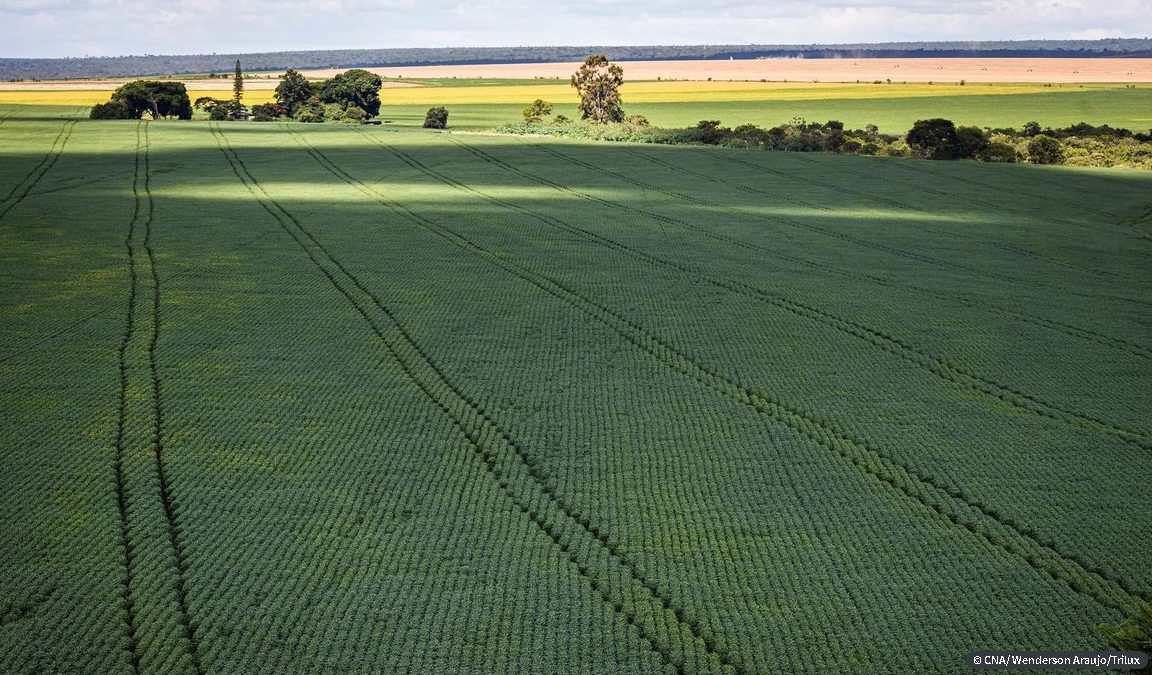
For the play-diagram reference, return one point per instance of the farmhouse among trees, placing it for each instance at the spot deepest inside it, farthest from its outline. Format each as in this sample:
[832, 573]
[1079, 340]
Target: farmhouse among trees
[598, 82]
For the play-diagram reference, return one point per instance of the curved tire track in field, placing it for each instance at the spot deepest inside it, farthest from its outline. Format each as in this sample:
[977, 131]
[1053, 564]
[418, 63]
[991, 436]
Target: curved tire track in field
[1058, 326]
[167, 499]
[145, 567]
[1015, 250]
[956, 236]
[4, 118]
[130, 620]
[946, 501]
[951, 372]
[518, 477]
[892, 250]
[21, 190]
[1067, 329]
[1047, 197]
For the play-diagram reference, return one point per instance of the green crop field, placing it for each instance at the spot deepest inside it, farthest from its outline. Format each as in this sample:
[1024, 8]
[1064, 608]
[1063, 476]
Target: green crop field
[310, 398]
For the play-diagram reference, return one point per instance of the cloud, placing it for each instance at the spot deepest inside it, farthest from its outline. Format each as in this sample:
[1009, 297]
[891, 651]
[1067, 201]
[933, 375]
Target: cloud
[112, 27]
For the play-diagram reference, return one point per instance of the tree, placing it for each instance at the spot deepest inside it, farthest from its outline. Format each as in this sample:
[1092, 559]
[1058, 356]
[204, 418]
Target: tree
[158, 99]
[112, 110]
[535, 111]
[437, 118]
[598, 82]
[355, 87]
[237, 107]
[1045, 150]
[293, 91]
[934, 139]
[970, 142]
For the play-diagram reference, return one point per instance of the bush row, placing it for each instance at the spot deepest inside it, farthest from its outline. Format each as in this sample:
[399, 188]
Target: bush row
[1080, 144]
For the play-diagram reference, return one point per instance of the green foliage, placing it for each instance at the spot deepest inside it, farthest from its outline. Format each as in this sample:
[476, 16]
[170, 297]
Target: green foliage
[1134, 634]
[293, 90]
[112, 110]
[598, 83]
[934, 139]
[436, 118]
[157, 99]
[269, 112]
[309, 113]
[1045, 150]
[219, 113]
[375, 400]
[353, 88]
[998, 152]
[207, 103]
[537, 110]
[236, 106]
[970, 142]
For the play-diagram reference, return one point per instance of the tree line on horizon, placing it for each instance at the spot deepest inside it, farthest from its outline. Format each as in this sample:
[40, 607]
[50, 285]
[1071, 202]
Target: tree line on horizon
[170, 65]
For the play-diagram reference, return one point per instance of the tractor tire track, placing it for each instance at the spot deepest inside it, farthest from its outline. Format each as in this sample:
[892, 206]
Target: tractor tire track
[1045, 197]
[892, 250]
[948, 502]
[167, 499]
[21, 190]
[126, 547]
[506, 461]
[958, 375]
[1067, 329]
[154, 585]
[1014, 250]
[4, 118]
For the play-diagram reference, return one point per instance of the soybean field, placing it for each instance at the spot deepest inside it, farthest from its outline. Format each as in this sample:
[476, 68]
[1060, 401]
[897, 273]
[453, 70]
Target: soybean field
[295, 398]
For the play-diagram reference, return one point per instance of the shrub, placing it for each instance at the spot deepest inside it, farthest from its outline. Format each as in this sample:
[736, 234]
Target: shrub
[112, 110]
[218, 113]
[309, 113]
[436, 118]
[534, 112]
[354, 114]
[1045, 150]
[333, 112]
[998, 152]
[970, 142]
[637, 120]
[1133, 634]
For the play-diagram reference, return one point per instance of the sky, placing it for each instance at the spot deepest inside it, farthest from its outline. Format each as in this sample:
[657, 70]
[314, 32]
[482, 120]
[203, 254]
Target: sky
[61, 28]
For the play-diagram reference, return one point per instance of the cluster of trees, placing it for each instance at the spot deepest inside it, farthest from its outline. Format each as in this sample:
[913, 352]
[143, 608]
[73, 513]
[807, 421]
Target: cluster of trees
[351, 97]
[1080, 144]
[145, 97]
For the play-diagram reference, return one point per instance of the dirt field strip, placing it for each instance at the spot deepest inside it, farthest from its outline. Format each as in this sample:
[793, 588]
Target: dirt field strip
[1034, 70]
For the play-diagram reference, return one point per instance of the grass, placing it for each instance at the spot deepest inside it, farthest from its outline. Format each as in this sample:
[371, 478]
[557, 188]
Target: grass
[485, 104]
[290, 398]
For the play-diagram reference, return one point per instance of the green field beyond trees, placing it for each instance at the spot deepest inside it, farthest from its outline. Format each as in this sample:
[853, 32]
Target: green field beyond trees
[303, 398]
